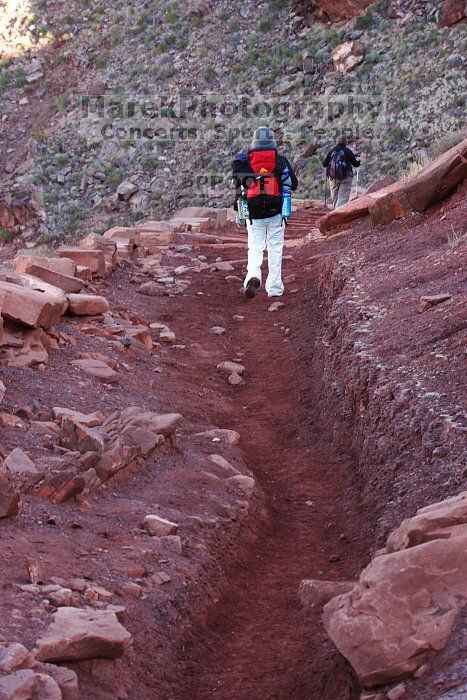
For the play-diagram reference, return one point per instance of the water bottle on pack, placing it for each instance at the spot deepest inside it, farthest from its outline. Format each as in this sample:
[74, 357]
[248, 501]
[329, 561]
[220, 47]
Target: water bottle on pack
[286, 205]
[242, 208]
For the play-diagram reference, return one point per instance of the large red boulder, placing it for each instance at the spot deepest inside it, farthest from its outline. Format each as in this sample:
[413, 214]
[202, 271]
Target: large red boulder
[64, 266]
[406, 601]
[94, 259]
[356, 209]
[29, 307]
[390, 206]
[64, 282]
[438, 179]
[452, 11]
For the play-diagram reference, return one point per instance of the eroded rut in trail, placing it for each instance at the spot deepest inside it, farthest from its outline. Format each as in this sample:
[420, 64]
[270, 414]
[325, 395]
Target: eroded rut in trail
[257, 643]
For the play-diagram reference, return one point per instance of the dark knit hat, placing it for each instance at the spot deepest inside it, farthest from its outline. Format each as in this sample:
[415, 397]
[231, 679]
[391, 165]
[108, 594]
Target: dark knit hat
[263, 139]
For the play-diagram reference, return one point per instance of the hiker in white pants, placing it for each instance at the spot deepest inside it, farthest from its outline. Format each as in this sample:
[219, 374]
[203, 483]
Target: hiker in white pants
[264, 181]
[261, 233]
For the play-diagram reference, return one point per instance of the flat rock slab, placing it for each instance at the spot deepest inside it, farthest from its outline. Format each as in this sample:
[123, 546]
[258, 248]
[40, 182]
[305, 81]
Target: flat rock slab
[426, 302]
[77, 634]
[29, 307]
[93, 259]
[87, 304]
[64, 266]
[98, 369]
[64, 282]
[159, 527]
[89, 419]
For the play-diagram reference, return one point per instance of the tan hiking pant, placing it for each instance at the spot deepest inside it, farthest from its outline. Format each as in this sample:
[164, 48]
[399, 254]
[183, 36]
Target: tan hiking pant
[340, 191]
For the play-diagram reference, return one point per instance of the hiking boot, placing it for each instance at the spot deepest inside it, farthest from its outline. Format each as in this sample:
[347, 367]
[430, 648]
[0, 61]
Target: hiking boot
[252, 286]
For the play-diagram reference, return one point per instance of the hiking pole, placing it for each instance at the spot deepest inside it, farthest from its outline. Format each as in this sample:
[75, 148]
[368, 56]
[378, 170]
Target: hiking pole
[356, 184]
[325, 188]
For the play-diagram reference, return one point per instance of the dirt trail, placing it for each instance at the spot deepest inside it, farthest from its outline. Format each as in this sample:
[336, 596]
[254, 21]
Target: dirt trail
[257, 644]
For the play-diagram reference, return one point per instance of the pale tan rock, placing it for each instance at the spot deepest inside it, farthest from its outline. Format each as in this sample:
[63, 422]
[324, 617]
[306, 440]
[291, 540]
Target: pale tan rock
[245, 484]
[130, 235]
[87, 304]
[224, 465]
[276, 306]
[90, 258]
[83, 634]
[426, 302]
[159, 527]
[348, 56]
[160, 578]
[75, 436]
[29, 307]
[235, 379]
[231, 367]
[64, 266]
[18, 462]
[64, 282]
[36, 284]
[167, 336]
[61, 597]
[14, 656]
[429, 523]
[98, 369]
[162, 424]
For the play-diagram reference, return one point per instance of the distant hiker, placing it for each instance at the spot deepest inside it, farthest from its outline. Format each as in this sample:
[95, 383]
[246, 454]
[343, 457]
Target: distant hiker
[264, 180]
[338, 164]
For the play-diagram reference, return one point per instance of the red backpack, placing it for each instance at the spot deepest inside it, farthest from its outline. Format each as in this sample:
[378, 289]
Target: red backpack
[263, 163]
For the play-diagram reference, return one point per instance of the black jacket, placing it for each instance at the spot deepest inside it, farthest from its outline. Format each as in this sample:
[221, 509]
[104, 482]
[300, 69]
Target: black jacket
[241, 174]
[349, 155]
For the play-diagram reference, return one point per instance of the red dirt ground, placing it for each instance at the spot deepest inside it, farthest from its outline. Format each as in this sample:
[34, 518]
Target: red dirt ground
[229, 624]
